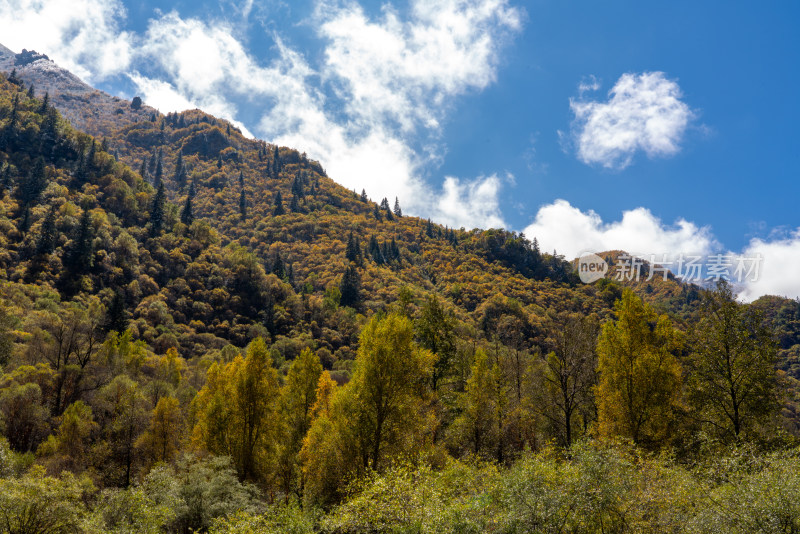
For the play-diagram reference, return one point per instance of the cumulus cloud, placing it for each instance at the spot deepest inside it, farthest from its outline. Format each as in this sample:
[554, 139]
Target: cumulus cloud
[571, 232]
[391, 81]
[80, 35]
[777, 273]
[644, 112]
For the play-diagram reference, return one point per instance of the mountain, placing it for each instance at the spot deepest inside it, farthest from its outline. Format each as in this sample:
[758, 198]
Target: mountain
[184, 309]
[85, 107]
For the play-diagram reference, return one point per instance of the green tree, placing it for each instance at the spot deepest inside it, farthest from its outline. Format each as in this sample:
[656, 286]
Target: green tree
[157, 211]
[731, 369]
[350, 287]
[278, 210]
[435, 330]
[187, 217]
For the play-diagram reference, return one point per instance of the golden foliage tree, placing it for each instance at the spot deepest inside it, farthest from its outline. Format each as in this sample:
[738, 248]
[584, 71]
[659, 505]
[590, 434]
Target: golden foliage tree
[237, 410]
[640, 377]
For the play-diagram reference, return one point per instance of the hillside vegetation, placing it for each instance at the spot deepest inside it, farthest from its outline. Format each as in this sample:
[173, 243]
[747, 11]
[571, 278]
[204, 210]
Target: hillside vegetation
[203, 332]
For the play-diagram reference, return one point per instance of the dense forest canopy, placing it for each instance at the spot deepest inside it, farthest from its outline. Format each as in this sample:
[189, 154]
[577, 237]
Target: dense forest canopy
[204, 332]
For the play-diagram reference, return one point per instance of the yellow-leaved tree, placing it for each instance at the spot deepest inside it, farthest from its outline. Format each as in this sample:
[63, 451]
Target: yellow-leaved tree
[236, 411]
[377, 416]
[640, 376]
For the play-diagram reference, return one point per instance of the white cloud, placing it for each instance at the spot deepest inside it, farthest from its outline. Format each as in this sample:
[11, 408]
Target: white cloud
[644, 112]
[80, 35]
[391, 80]
[570, 231]
[780, 260]
[469, 204]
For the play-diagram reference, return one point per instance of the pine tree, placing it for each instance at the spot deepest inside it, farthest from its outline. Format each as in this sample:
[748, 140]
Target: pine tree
[350, 287]
[46, 241]
[297, 187]
[353, 250]
[278, 268]
[116, 319]
[31, 92]
[187, 217]
[243, 204]
[157, 211]
[294, 204]
[241, 179]
[397, 211]
[278, 205]
[276, 163]
[78, 258]
[159, 174]
[364, 197]
[31, 187]
[179, 177]
[45, 104]
[143, 170]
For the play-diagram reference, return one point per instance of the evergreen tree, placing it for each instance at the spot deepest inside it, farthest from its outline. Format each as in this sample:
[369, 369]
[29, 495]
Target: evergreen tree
[353, 250]
[157, 211]
[397, 211]
[297, 187]
[78, 258]
[243, 204]
[294, 204]
[159, 174]
[278, 268]
[278, 205]
[46, 241]
[179, 176]
[31, 92]
[241, 179]
[376, 213]
[364, 197]
[45, 104]
[143, 170]
[276, 163]
[33, 184]
[116, 319]
[187, 217]
[375, 251]
[350, 287]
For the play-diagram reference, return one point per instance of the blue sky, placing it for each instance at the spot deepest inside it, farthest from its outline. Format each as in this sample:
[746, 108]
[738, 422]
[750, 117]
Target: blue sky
[654, 127]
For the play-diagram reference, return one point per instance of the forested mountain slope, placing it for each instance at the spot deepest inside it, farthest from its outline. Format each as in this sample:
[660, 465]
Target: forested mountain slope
[213, 323]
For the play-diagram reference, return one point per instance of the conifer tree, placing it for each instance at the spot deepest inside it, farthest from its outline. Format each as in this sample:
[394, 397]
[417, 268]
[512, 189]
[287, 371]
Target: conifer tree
[397, 211]
[278, 268]
[294, 204]
[46, 240]
[364, 197]
[353, 250]
[350, 287]
[278, 205]
[33, 184]
[157, 211]
[187, 217]
[243, 204]
[45, 104]
[79, 255]
[179, 176]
